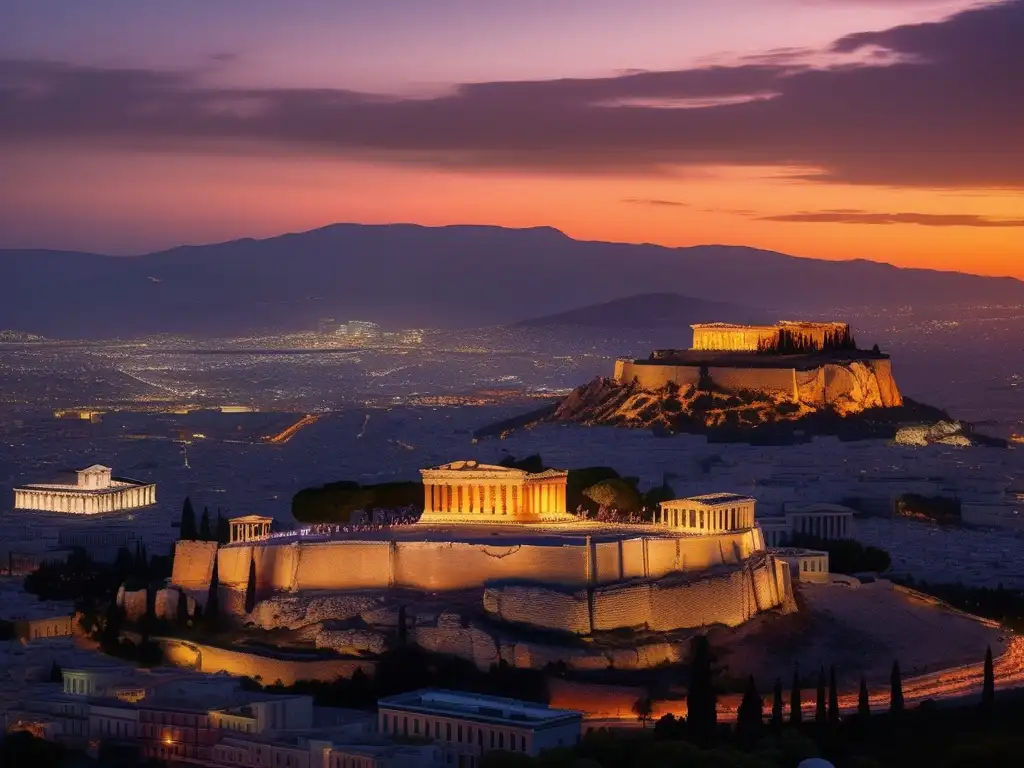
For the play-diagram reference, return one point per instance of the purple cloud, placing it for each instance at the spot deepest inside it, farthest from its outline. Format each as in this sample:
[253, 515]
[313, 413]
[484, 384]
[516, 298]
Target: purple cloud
[941, 108]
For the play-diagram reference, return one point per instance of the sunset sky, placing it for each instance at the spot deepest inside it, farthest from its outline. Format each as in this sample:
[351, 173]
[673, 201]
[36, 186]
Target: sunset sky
[882, 129]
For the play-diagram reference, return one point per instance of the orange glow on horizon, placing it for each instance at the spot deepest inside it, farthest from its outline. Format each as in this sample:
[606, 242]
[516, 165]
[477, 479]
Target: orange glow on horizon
[199, 199]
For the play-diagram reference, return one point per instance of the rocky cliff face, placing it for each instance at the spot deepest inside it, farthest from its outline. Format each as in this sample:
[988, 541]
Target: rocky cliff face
[858, 398]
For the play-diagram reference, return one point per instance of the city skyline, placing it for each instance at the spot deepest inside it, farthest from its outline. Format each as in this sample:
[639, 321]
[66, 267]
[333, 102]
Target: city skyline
[824, 128]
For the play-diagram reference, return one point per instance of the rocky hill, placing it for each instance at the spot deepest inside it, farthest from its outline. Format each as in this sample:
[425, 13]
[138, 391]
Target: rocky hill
[725, 415]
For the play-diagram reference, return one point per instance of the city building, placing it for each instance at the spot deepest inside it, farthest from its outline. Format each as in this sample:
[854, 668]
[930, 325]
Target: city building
[827, 522]
[86, 492]
[466, 725]
[805, 564]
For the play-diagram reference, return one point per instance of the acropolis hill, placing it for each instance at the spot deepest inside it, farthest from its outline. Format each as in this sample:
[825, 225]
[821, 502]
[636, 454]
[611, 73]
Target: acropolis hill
[741, 378]
[496, 546]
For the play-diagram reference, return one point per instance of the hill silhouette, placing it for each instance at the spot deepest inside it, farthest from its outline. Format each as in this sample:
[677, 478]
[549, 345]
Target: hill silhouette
[413, 276]
[646, 311]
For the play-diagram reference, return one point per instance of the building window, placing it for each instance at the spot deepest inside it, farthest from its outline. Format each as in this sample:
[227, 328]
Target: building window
[416, 726]
[437, 729]
[460, 734]
[384, 723]
[522, 743]
[501, 740]
[447, 731]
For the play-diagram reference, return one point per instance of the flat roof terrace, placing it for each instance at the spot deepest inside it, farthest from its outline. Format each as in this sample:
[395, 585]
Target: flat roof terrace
[479, 707]
[730, 359]
[503, 535]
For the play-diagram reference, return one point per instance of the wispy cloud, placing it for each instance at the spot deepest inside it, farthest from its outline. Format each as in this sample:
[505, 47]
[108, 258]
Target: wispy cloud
[655, 202]
[854, 216]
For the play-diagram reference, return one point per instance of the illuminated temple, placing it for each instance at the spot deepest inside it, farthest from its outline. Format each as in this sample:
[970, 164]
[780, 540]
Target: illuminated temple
[468, 492]
[86, 491]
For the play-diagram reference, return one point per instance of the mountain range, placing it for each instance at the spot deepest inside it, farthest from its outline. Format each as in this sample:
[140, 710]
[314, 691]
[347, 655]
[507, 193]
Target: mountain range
[413, 276]
[648, 311]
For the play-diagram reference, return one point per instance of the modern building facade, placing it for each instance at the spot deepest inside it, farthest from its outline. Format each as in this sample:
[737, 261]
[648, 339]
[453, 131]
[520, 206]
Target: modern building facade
[466, 725]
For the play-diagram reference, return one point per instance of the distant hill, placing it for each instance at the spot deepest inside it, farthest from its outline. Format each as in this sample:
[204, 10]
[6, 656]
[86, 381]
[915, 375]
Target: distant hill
[647, 311]
[412, 276]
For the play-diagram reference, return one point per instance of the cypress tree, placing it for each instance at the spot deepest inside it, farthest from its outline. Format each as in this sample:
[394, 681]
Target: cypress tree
[988, 688]
[212, 610]
[182, 611]
[895, 690]
[777, 706]
[796, 715]
[402, 627]
[56, 673]
[833, 697]
[863, 701]
[749, 717]
[223, 529]
[250, 588]
[188, 521]
[204, 526]
[701, 713]
[820, 712]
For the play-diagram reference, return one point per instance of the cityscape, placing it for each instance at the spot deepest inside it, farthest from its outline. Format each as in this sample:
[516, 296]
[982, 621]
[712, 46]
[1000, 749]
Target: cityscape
[472, 387]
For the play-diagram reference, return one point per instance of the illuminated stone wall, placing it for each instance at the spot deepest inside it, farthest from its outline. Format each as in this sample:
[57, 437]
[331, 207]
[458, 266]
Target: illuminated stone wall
[441, 566]
[193, 564]
[207, 658]
[728, 597]
[851, 386]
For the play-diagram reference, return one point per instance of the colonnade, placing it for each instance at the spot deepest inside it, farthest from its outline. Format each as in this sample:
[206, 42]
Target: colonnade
[823, 525]
[249, 528]
[707, 519]
[476, 497]
[84, 503]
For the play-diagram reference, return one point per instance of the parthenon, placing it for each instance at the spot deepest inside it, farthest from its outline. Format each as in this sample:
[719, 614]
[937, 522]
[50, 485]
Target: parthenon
[88, 492]
[468, 492]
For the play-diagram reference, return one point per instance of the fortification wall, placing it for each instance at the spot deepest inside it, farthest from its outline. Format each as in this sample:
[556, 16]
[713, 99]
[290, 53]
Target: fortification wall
[656, 376]
[459, 565]
[343, 565]
[440, 566]
[540, 607]
[776, 381]
[207, 658]
[730, 598]
[193, 564]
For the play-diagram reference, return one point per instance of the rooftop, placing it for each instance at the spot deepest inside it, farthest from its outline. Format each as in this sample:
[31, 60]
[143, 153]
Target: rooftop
[478, 706]
[715, 499]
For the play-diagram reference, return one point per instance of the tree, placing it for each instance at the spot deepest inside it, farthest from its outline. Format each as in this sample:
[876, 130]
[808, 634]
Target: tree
[863, 700]
[56, 673]
[749, 717]
[188, 521]
[895, 690]
[250, 587]
[796, 715]
[204, 526]
[777, 706]
[212, 610]
[988, 688]
[223, 529]
[820, 712]
[833, 697]
[701, 713]
[182, 609]
[403, 629]
[642, 708]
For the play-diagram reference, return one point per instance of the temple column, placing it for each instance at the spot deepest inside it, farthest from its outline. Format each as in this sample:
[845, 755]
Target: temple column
[504, 499]
[428, 502]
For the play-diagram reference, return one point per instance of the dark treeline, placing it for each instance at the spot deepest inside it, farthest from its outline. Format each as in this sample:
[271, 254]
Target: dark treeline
[407, 668]
[789, 342]
[770, 734]
[846, 555]
[1003, 605]
[206, 529]
[938, 509]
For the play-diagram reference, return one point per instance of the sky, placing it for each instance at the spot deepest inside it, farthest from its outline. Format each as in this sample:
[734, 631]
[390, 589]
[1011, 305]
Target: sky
[880, 129]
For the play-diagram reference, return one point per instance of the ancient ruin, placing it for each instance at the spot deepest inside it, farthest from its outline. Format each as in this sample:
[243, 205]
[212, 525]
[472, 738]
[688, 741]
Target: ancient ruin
[86, 492]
